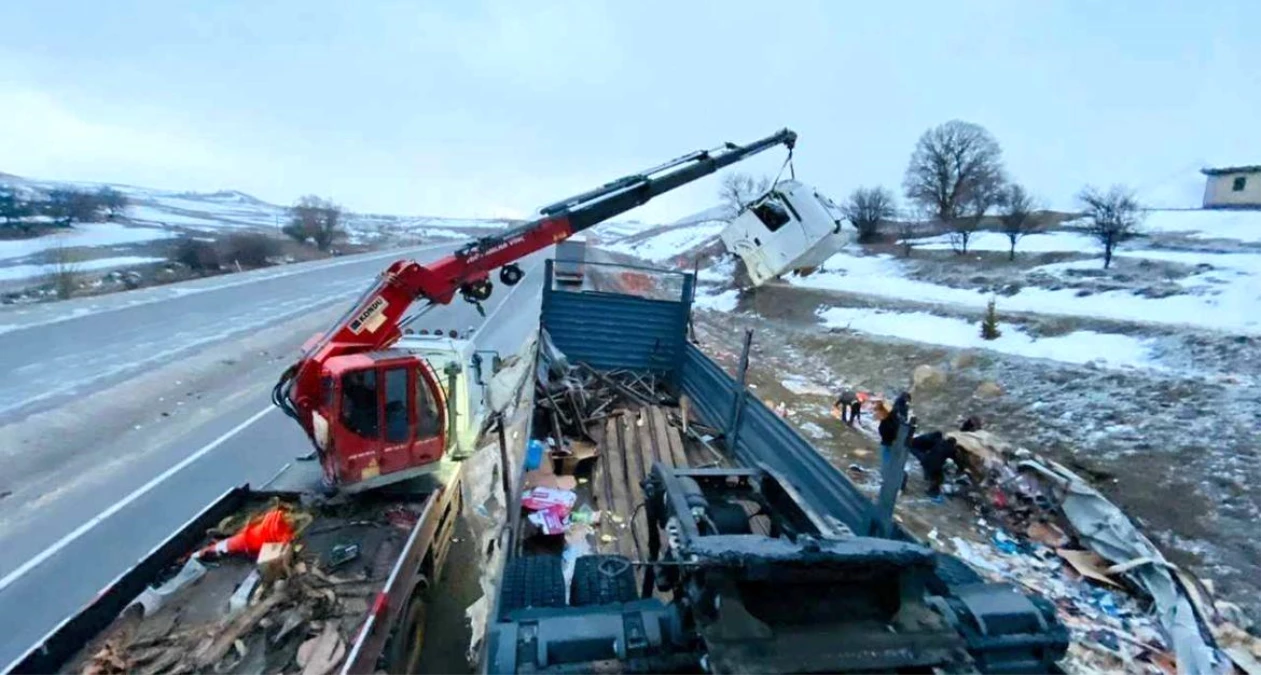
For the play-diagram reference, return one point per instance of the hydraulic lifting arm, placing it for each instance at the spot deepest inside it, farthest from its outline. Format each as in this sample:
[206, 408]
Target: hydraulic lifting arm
[372, 323]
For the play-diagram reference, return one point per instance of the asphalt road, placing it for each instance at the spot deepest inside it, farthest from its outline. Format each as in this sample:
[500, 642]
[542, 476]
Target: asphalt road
[64, 545]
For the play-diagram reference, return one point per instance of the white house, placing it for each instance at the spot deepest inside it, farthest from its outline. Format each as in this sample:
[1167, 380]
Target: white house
[1235, 187]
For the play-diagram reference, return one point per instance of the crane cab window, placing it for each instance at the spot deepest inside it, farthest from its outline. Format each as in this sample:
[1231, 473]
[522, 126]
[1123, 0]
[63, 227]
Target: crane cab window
[772, 213]
[396, 427]
[359, 403]
[428, 422]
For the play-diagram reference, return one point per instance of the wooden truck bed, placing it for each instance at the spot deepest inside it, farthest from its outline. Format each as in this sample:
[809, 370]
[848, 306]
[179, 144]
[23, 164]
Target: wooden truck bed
[314, 609]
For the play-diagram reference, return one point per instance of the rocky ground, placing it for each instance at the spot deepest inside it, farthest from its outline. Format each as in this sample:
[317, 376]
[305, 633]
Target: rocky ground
[1176, 449]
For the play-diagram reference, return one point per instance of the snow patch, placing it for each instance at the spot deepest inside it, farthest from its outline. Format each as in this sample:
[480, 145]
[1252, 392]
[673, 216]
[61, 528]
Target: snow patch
[1078, 347]
[725, 301]
[670, 242]
[90, 234]
[1212, 301]
[1243, 226]
[33, 271]
[1043, 242]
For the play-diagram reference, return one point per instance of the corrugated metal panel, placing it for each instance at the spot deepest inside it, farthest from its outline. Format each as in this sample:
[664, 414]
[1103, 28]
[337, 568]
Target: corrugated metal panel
[767, 439]
[611, 330]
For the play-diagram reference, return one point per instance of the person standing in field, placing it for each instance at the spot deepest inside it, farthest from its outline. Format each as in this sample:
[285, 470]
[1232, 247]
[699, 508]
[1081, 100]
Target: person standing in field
[849, 406]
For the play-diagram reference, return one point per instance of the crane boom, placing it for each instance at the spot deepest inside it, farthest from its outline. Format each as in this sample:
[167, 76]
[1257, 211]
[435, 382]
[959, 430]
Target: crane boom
[372, 323]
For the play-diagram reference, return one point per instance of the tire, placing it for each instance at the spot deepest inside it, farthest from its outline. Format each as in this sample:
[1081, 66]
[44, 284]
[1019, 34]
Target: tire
[950, 572]
[408, 641]
[602, 580]
[532, 581]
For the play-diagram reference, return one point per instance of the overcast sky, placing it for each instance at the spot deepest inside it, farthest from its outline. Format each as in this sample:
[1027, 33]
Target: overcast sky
[490, 108]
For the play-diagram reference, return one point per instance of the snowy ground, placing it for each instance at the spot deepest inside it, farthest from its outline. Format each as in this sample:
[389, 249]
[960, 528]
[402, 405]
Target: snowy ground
[668, 243]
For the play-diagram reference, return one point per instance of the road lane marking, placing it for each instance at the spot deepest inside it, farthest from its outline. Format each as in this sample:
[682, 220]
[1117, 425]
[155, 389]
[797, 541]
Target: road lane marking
[10, 578]
[86, 527]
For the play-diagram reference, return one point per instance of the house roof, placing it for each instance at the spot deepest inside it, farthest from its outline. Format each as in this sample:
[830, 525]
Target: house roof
[1253, 168]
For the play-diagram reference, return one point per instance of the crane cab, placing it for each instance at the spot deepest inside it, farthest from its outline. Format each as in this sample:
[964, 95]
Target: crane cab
[381, 418]
[789, 228]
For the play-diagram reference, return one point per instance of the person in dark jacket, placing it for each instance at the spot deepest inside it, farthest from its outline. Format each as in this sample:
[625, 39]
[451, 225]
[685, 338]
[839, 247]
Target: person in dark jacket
[849, 405]
[888, 431]
[932, 450]
[902, 406]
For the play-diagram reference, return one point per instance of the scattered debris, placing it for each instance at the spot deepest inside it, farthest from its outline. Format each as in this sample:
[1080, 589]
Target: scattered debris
[321, 654]
[1064, 517]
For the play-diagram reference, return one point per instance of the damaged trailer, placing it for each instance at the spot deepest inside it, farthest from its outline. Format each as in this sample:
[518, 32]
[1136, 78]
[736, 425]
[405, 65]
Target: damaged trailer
[667, 521]
[791, 228]
[346, 591]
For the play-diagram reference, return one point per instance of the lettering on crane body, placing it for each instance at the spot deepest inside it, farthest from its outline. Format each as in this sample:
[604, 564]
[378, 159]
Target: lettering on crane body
[371, 317]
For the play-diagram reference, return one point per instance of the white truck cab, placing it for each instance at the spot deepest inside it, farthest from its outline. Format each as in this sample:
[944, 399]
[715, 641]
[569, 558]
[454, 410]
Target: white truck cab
[789, 228]
[464, 373]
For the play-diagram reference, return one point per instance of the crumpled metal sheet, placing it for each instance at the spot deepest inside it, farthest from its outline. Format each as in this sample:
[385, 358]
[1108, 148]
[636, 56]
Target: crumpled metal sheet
[501, 393]
[1106, 530]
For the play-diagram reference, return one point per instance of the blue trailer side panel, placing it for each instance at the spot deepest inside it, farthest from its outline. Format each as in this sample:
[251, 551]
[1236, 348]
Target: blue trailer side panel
[613, 330]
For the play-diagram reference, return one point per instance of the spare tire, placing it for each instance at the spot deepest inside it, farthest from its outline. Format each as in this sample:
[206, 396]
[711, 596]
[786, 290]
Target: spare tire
[532, 581]
[602, 580]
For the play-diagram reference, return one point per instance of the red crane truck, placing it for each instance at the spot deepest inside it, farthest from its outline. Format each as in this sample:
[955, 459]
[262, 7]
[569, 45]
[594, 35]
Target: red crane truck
[377, 412]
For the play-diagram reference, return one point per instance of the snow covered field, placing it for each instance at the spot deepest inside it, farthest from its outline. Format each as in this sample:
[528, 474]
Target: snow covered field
[1033, 243]
[1079, 347]
[15, 272]
[1225, 297]
[87, 235]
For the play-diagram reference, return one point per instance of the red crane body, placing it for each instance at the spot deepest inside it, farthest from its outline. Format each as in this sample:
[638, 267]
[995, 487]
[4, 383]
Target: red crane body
[377, 415]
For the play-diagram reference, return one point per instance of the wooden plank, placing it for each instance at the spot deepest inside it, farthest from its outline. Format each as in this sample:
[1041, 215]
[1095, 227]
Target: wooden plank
[602, 492]
[651, 451]
[615, 466]
[669, 454]
[677, 449]
[635, 474]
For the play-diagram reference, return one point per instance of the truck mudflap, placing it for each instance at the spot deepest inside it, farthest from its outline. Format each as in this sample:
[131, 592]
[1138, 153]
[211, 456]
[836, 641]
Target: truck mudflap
[70, 635]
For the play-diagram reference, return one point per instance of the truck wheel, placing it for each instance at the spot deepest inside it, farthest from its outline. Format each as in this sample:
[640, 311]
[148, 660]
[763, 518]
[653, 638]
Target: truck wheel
[533, 581]
[403, 652]
[949, 572]
[602, 580]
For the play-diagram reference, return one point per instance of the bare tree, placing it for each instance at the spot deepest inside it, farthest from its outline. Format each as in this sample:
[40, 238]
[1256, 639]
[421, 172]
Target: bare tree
[955, 173]
[738, 189]
[867, 208]
[973, 210]
[316, 220]
[66, 207]
[1114, 216]
[112, 201]
[1016, 213]
[64, 271]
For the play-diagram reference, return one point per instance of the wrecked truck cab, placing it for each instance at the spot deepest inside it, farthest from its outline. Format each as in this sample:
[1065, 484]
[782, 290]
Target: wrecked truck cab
[790, 228]
[463, 373]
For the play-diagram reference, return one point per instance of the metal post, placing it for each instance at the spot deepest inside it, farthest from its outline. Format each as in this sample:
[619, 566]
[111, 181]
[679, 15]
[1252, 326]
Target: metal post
[505, 469]
[892, 475]
[737, 407]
